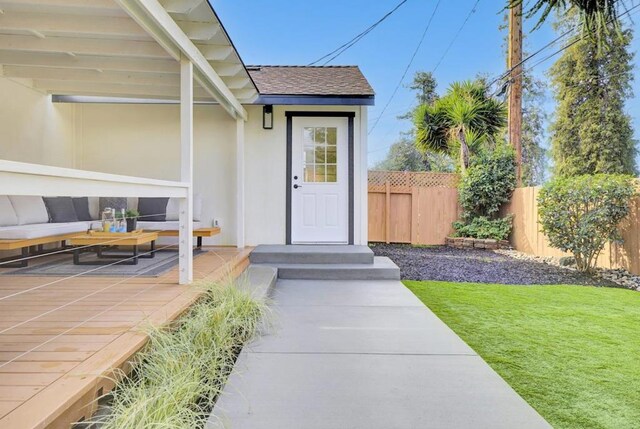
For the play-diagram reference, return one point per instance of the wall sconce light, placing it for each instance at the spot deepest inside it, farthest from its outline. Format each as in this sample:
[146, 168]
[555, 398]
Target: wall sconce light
[267, 117]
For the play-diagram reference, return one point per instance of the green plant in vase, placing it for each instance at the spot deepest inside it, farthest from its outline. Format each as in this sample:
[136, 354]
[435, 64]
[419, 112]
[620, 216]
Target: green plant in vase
[132, 219]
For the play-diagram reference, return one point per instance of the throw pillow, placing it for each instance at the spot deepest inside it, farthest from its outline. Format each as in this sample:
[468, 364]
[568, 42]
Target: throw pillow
[116, 203]
[60, 209]
[153, 209]
[81, 205]
[173, 208]
[29, 209]
[8, 215]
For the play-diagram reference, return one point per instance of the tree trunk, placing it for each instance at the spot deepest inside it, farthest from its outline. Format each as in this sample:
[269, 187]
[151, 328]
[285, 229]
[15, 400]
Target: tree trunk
[464, 152]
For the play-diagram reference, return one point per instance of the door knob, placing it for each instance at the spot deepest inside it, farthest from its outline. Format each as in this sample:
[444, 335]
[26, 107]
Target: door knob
[295, 177]
[296, 186]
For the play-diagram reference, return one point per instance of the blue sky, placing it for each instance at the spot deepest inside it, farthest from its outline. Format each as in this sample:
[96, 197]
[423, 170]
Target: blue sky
[299, 32]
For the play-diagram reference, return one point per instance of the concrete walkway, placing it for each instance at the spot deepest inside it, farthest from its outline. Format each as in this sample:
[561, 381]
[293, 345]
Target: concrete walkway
[363, 354]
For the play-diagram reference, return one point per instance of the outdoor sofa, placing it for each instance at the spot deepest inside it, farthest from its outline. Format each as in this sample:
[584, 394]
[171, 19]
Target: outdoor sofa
[27, 223]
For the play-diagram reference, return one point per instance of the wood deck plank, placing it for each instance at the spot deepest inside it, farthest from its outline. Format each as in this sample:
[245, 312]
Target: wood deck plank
[33, 379]
[40, 356]
[58, 361]
[18, 393]
[8, 406]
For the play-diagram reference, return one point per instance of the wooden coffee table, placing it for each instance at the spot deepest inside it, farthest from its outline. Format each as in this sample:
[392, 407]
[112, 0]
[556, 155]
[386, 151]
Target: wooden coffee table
[100, 241]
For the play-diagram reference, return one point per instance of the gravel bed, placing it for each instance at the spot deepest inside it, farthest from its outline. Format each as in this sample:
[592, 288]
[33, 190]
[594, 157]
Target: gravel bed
[478, 266]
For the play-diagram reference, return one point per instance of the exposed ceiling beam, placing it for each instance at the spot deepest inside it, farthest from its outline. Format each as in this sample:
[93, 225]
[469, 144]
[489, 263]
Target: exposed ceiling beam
[87, 4]
[246, 95]
[103, 47]
[69, 24]
[199, 31]
[237, 82]
[180, 6]
[116, 90]
[227, 69]
[162, 27]
[79, 75]
[215, 52]
[88, 62]
[78, 7]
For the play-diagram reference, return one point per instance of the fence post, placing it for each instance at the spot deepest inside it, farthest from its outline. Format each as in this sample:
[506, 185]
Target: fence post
[387, 212]
[415, 216]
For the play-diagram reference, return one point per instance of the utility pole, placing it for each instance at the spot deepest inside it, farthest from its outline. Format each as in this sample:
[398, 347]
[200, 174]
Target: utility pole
[515, 84]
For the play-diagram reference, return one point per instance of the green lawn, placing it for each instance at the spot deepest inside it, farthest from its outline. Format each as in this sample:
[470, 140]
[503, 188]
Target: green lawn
[572, 352]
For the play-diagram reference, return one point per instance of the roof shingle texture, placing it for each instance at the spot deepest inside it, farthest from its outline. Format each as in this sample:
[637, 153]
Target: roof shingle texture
[309, 80]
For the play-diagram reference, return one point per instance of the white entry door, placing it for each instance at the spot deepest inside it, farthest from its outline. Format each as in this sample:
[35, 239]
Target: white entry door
[320, 180]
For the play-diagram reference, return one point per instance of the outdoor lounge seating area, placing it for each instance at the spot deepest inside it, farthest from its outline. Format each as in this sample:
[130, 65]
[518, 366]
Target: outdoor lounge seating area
[28, 223]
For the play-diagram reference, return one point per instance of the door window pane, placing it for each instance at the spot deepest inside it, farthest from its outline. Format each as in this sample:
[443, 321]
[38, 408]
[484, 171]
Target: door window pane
[332, 173]
[331, 155]
[332, 137]
[309, 173]
[320, 154]
[308, 135]
[309, 155]
[320, 135]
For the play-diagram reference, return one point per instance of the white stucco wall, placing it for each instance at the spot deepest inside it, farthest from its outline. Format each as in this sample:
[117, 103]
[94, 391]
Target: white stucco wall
[33, 129]
[143, 140]
[266, 156]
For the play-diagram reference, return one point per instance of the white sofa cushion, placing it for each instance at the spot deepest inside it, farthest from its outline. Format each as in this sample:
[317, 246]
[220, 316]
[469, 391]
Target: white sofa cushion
[172, 225]
[29, 209]
[173, 208]
[8, 215]
[25, 232]
[94, 208]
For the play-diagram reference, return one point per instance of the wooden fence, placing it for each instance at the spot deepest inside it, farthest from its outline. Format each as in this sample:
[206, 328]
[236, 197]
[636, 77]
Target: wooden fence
[412, 207]
[527, 236]
[419, 208]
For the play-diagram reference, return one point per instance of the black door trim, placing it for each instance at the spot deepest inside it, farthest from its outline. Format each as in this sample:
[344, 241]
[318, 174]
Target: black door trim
[350, 119]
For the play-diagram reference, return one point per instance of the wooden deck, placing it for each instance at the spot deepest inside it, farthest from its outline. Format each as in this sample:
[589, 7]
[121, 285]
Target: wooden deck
[59, 339]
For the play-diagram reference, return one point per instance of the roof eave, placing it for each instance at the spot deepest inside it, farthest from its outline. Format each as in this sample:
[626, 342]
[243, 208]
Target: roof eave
[315, 100]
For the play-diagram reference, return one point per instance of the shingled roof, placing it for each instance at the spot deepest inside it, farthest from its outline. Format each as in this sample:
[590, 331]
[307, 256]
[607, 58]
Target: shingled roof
[310, 80]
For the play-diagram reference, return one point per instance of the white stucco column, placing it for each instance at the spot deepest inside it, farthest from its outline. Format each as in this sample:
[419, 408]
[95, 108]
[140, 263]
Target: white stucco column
[240, 179]
[185, 237]
[364, 176]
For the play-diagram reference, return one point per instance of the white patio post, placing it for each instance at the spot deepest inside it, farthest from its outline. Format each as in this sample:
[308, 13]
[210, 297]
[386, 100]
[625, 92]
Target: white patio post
[186, 171]
[240, 218]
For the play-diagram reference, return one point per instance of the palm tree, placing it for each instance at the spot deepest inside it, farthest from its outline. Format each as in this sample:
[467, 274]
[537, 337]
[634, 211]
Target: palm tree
[465, 119]
[596, 16]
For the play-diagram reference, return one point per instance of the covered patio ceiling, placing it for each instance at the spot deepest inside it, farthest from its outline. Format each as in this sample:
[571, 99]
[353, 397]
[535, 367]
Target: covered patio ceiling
[121, 48]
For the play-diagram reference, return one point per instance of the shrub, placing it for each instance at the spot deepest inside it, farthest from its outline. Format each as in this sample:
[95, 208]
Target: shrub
[488, 183]
[482, 227]
[176, 379]
[580, 214]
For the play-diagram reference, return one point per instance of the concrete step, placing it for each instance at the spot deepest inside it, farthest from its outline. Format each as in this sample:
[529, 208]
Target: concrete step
[258, 280]
[381, 269]
[298, 254]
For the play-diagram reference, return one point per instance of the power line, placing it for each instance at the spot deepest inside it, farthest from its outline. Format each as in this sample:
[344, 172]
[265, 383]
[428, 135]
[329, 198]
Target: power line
[471, 12]
[539, 51]
[553, 42]
[406, 70]
[567, 46]
[464, 23]
[341, 49]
